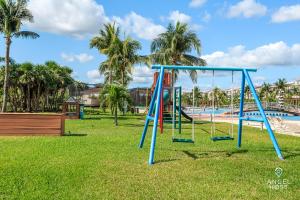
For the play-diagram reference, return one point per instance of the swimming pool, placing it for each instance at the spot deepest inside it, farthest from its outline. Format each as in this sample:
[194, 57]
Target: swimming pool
[207, 111]
[282, 115]
[253, 114]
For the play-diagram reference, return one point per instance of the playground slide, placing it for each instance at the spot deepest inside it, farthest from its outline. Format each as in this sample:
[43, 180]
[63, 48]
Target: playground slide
[166, 99]
[184, 114]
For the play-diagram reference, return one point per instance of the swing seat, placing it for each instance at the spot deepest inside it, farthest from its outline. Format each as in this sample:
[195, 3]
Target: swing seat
[182, 140]
[221, 138]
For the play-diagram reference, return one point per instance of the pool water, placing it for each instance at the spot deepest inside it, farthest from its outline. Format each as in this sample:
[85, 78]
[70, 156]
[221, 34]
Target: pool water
[254, 114]
[208, 111]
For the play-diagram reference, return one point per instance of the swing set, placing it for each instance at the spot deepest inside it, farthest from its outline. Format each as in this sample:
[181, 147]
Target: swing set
[156, 108]
[213, 127]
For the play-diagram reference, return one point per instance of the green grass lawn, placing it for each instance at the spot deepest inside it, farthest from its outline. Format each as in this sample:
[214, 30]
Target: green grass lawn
[100, 161]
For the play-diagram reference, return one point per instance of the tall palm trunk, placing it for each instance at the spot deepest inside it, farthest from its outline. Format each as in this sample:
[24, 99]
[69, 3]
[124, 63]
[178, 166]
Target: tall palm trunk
[123, 83]
[110, 77]
[6, 74]
[38, 96]
[110, 82]
[28, 99]
[116, 116]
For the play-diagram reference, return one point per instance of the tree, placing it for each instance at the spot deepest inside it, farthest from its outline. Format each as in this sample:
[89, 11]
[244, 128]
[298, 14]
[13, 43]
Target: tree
[187, 99]
[266, 91]
[27, 79]
[280, 86]
[247, 92]
[295, 90]
[113, 95]
[174, 46]
[206, 101]
[37, 87]
[220, 97]
[107, 43]
[198, 96]
[13, 14]
[125, 57]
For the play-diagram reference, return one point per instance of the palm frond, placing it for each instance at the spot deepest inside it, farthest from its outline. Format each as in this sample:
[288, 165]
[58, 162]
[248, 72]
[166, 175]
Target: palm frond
[26, 34]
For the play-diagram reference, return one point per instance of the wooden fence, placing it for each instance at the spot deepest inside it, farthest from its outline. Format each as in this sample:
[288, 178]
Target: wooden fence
[29, 124]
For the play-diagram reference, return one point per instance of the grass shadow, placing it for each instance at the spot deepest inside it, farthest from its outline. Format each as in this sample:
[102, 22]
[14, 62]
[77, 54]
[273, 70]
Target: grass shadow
[290, 154]
[132, 125]
[286, 153]
[204, 130]
[69, 134]
[165, 160]
[210, 154]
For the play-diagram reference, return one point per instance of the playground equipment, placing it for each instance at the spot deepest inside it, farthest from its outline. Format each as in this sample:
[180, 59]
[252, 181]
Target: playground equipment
[73, 109]
[157, 98]
[168, 108]
[213, 127]
[177, 91]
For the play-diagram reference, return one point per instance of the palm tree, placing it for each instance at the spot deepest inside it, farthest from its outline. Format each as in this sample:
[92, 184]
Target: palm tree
[220, 97]
[113, 95]
[107, 42]
[31, 86]
[280, 85]
[13, 14]
[206, 100]
[125, 57]
[1, 31]
[198, 96]
[247, 92]
[174, 46]
[186, 99]
[266, 91]
[295, 90]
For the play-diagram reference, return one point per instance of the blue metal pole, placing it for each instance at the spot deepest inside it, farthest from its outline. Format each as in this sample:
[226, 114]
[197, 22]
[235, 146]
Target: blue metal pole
[210, 68]
[264, 117]
[144, 133]
[179, 110]
[242, 95]
[150, 111]
[174, 106]
[154, 130]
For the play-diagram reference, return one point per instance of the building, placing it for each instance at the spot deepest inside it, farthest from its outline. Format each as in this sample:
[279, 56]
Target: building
[90, 97]
[140, 96]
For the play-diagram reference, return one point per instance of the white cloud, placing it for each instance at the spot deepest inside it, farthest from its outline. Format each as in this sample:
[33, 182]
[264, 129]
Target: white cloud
[142, 27]
[259, 80]
[206, 17]
[78, 18]
[247, 9]
[287, 13]
[82, 58]
[274, 54]
[176, 16]
[142, 75]
[83, 18]
[197, 3]
[94, 76]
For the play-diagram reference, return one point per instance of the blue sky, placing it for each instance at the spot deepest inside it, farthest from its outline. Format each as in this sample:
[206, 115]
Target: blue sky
[263, 34]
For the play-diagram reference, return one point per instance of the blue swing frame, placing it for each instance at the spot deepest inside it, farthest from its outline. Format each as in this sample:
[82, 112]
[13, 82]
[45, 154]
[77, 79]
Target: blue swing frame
[156, 97]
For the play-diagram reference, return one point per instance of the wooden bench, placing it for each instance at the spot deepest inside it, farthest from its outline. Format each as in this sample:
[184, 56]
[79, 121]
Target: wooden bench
[29, 124]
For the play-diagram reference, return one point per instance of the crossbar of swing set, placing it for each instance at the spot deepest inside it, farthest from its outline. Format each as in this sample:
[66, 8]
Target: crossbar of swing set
[204, 68]
[245, 77]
